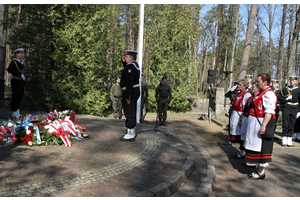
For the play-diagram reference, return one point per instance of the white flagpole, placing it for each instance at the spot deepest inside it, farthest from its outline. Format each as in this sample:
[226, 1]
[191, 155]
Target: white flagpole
[140, 59]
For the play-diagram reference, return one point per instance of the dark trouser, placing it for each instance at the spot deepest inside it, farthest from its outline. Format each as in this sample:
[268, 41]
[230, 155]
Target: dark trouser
[163, 108]
[17, 89]
[276, 115]
[130, 109]
[288, 120]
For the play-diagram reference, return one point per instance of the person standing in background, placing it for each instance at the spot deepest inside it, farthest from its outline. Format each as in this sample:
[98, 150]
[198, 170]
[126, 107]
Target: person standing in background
[116, 98]
[289, 98]
[17, 69]
[163, 96]
[144, 96]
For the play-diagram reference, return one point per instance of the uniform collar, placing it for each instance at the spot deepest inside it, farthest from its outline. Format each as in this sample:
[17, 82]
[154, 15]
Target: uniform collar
[18, 60]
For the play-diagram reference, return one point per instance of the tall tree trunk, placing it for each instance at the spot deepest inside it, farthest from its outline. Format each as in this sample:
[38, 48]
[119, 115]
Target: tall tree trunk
[292, 7]
[215, 45]
[2, 66]
[128, 28]
[271, 20]
[281, 47]
[204, 74]
[294, 42]
[196, 46]
[249, 36]
[234, 46]
[219, 74]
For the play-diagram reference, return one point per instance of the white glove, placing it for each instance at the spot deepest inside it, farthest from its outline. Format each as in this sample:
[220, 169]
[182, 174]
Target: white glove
[22, 77]
[298, 114]
[289, 97]
[233, 88]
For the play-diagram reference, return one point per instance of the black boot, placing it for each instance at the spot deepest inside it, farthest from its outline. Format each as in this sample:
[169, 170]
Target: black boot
[164, 123]
[159, 123]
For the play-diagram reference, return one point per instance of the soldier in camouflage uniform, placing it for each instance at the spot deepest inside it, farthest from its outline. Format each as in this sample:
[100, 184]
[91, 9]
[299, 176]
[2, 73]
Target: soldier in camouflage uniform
[144, 96]
[163, 95]
[116, 97]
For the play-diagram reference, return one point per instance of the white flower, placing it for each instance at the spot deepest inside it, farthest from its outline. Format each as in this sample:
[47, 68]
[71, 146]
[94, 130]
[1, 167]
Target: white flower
[28, 132]
[9, 125]
[65, 111]
[30, 143]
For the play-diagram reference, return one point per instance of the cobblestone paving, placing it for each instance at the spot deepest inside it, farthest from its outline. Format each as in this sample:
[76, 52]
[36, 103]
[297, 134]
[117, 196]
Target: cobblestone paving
[152, 147]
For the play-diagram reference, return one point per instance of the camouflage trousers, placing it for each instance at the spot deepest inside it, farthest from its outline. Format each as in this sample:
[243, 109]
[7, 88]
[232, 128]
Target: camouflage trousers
[117, 108]
[162, 108]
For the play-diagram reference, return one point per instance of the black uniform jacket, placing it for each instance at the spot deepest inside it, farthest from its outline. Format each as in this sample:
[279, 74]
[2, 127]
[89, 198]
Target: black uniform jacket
[130, 79]
[16, 68]
[285, 92]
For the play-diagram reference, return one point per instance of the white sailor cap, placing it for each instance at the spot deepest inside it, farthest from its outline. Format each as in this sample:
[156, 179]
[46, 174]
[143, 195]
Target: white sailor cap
[248, 76]
[130, 52]
[19, 50]
[293, 78]
[274, 81]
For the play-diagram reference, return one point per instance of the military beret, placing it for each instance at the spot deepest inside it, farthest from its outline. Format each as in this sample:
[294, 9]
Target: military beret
[19, 50]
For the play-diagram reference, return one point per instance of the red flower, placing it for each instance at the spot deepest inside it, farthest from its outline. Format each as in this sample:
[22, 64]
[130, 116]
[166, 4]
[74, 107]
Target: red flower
[6, 129]
[30, 135]
[30, 128]
[14, 138]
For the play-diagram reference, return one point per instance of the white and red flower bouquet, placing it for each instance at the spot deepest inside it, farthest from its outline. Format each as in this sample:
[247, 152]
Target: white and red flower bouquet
[56, 128]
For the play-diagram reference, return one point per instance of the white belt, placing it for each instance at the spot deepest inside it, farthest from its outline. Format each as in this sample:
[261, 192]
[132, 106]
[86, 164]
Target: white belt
[15, 77]
[134, 86]
[293, 104]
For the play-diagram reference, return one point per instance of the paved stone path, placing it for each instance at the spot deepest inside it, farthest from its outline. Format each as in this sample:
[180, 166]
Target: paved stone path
[180, 164]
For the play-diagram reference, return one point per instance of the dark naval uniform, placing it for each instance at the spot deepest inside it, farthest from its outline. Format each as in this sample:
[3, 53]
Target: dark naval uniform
[116, 97]
[163, 96]
[17, 69]
[289, 98]
[144, 97]
[278, 108]
[130, 90]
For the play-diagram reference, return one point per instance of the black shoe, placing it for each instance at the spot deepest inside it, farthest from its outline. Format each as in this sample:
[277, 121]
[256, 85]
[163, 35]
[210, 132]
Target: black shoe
[239, 156]
[290, 145]
[159, 123]
[164, 123]
[123, 139]
[251, 176]
[284, 145]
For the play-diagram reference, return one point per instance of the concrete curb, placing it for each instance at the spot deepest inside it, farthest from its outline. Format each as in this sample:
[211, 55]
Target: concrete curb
[171, 185]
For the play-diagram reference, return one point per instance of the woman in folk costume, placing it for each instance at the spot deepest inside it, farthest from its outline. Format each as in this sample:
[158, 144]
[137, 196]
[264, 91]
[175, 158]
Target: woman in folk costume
[245, 115]
[238, 105]
[260, 129]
